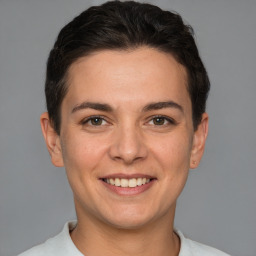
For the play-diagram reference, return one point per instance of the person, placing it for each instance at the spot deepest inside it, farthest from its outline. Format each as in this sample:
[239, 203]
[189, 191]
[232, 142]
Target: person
[126, 95]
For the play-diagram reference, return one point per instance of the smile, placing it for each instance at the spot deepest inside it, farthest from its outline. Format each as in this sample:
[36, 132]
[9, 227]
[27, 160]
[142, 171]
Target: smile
[127, 183]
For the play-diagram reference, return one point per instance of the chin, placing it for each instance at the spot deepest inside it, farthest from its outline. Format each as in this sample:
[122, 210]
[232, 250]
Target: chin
[128, 223]
[130, 219]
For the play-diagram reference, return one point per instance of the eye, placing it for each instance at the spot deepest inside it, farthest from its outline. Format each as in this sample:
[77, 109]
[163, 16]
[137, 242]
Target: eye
[161, 121]
[94, 121]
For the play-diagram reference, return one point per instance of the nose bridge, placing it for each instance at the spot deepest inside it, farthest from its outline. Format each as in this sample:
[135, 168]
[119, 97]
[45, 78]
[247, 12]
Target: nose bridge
[128, 143]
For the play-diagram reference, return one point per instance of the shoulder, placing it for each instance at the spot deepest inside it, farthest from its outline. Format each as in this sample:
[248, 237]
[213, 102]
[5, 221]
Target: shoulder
[48, 248]
[39, 250]
[56, 246]
[192, 248]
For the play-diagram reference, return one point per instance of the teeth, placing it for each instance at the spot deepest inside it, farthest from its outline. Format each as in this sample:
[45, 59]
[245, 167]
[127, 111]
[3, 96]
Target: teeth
[132, 183]
[125, 183]
[117, 182]
[139, 181]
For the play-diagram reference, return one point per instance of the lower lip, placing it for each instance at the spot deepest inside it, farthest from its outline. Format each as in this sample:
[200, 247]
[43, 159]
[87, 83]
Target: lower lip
[129, 191]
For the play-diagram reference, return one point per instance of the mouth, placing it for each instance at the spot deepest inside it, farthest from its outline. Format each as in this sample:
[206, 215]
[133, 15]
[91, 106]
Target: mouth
[128, 183]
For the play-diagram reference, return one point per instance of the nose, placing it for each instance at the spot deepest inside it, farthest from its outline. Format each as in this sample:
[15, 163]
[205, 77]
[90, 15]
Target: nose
[128, 145]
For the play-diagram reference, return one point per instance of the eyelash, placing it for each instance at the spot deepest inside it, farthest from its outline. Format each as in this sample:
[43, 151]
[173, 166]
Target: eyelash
[165, 118]
[89, 119]
[102, 119]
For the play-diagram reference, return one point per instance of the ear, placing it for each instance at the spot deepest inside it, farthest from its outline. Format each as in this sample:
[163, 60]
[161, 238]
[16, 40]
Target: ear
[52, 140]
[199, 140]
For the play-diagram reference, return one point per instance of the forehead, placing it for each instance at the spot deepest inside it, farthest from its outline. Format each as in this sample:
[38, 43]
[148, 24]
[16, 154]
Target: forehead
[140, 75]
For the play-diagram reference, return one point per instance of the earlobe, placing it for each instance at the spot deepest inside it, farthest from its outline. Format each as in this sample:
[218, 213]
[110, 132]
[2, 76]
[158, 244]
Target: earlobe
[52, 140]
[199, 139]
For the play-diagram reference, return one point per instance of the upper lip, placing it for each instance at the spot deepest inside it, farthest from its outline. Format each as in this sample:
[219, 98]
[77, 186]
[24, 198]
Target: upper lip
[127, 176]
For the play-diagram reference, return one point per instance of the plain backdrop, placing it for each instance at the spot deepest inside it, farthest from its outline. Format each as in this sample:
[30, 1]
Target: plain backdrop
[218, 205]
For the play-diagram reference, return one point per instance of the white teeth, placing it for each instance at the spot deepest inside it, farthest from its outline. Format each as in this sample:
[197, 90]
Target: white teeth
[132, 183]
[117, 182]
[124, 183]
[139, 181]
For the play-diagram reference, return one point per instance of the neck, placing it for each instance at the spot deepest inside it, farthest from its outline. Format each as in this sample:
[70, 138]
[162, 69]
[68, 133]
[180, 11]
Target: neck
[93, 237]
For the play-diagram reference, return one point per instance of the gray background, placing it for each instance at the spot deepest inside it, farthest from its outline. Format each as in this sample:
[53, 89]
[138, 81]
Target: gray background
[218, 204]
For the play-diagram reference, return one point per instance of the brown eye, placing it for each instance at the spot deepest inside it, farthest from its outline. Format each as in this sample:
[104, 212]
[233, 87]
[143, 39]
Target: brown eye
[159, 120]
[96, 121]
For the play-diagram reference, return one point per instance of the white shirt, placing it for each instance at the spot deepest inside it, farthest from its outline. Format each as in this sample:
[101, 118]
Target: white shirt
[62, 245]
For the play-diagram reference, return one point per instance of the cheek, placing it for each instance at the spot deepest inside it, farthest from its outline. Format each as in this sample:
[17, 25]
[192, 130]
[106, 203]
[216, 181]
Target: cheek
[82, 157]
[173, 152]
[172, 155]
[81, 154]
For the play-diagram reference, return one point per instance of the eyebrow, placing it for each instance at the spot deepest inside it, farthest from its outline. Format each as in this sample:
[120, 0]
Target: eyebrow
[93, 105]
[163, 104]
[108, 108]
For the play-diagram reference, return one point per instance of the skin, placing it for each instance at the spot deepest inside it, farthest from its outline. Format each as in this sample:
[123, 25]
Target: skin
[129, 140]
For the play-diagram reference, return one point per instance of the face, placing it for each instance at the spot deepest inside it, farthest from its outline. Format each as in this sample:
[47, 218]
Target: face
[127, 139]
